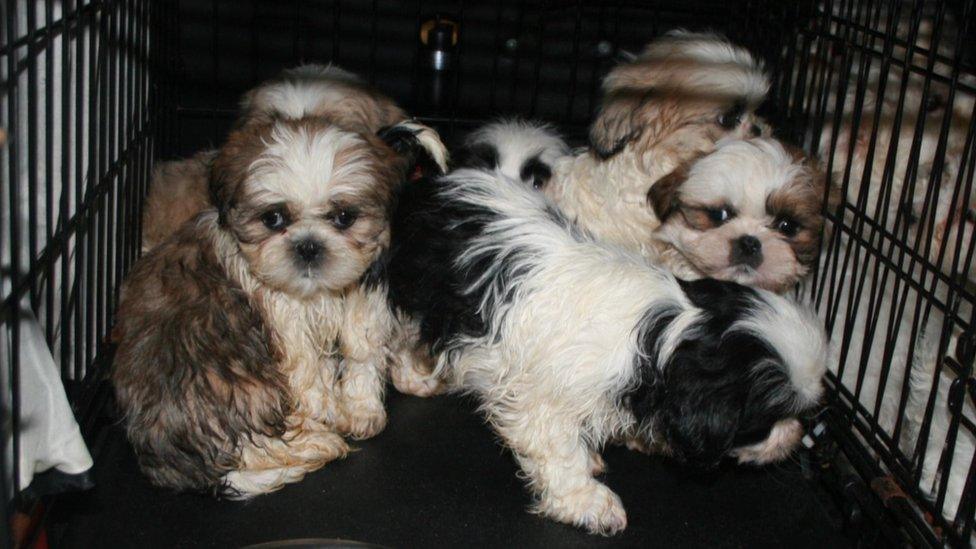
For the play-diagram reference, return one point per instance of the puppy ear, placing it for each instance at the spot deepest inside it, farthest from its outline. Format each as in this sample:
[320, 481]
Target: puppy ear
[419, 145]
[617, 123]
[663, 194]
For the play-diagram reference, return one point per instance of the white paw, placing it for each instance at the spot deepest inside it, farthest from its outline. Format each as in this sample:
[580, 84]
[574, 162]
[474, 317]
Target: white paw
[362, 420]
[410, 382]
[594, 507]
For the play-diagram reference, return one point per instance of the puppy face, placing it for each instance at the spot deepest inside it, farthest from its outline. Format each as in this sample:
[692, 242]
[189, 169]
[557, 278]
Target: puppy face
[520, 149]
[308, 202]
[683, 93]
[748, 212]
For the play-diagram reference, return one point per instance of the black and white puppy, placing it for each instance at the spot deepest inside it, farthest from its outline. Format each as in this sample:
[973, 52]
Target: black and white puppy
[524, 150]
[569, 342]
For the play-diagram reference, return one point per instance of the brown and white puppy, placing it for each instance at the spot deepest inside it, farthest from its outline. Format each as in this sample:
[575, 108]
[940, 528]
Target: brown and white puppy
[320, 90]
[249, 342]
[749, 212]
[671, 104]
[178, 189]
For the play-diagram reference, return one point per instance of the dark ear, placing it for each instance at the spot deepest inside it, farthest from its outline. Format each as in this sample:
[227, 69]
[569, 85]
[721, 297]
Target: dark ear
[699, 411]
[663, 194]
[480, 156]
[418, 146]
[617, 123]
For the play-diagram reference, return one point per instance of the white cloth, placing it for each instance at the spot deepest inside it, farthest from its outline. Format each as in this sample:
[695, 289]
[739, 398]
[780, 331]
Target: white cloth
[49, 435]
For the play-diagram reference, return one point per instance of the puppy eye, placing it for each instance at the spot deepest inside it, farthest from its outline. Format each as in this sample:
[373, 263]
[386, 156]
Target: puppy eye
[719, 215]
[343, 219]
[786, 225]
[731, 118]
[275, 220]
[934, 102]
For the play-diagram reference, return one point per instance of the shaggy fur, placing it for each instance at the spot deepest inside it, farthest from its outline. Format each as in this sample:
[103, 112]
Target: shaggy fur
[317, 90]
[249, 342]
[569, 342]
[519, 149]
[749, 212]
[178, 191]
[669, 105]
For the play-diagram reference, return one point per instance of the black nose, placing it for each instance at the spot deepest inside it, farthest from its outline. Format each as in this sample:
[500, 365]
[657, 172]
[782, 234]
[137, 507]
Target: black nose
[747, 250]
[308, 250]
[756, 130]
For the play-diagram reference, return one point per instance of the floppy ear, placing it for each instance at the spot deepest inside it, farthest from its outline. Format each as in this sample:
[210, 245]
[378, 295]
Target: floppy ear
[617, 123]
[663, 194]
[419, 145]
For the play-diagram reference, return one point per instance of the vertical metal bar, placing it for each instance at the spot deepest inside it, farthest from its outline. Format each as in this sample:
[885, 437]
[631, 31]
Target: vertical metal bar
[33, 170]
[574, 72]
[81, 169]
[48, 298]
[67, 78]
[13, 176]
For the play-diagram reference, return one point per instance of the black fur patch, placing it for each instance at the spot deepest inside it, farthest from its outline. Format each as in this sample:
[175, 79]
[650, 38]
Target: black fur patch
[479, 156]
[428, 233]
[716, 392]
[536, 172]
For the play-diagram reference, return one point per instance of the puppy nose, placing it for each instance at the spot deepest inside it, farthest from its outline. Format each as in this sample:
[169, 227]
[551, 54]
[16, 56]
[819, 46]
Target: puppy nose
[756, 130]
[308, 250]
[747, 250]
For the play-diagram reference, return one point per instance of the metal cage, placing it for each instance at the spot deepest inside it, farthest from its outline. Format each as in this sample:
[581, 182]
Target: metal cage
[96, 91]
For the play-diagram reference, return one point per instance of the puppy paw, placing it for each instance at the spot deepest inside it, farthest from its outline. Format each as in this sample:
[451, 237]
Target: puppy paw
[594, 507]
[410, 382]
[597, 465]
[362, 420]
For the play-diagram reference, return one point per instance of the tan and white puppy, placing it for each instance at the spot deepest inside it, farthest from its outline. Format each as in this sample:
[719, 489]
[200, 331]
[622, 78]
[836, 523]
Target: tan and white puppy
[671, 104]
[749, 212]
[249, 342]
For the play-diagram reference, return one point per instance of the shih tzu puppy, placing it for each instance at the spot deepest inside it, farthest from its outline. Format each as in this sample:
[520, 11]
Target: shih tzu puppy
[697, 370]
[670, 104]
[178, 189]
[249, 342]
[749, 212]
[522, 150]
[317, 90]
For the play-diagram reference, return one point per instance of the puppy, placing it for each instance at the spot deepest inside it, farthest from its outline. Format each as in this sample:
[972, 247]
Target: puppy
[178, 189]
[519, 149]
[317, 90]
[749, 212]
[699, 370]
[248, 342]
[669, 105]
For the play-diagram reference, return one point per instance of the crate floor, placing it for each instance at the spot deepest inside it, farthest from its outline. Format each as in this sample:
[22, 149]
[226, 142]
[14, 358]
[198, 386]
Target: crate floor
[436, 477]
